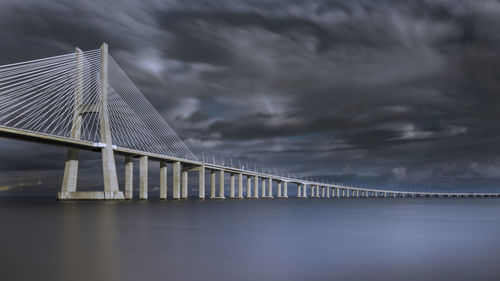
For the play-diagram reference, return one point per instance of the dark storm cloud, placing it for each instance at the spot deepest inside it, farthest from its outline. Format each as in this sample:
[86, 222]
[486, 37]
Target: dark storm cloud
[382, 92]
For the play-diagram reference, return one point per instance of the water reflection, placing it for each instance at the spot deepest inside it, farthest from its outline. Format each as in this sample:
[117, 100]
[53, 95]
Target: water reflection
[354, 239]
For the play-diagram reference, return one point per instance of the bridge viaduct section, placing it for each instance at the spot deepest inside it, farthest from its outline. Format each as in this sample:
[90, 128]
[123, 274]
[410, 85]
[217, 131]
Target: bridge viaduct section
[110, 110]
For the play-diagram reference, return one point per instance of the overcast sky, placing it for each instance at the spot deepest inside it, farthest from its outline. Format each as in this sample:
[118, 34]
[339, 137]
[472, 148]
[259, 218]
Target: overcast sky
[402, 93]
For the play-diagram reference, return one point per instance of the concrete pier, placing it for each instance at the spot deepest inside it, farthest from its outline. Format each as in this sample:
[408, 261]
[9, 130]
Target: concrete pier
[212, 184]
[270, 189]
[240, 186]
[71, 164]
[256, 188]
[129, 177]
[176, 175]
[279, 190]
[221, 185]
[299, 191]
[249, 187]
[184, 184]
[201, 182]
[264, 187]
[285, 189]
[143, 177]
[110, 178]
[163, 180]
[231, 186]
[111, 190]
[70, 174]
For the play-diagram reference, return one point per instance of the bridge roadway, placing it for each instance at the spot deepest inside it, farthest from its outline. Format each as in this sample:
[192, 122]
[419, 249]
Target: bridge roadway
[182, 166]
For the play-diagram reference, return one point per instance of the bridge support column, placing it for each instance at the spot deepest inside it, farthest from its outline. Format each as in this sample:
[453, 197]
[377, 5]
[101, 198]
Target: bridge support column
[270, 189]
[212, 184]
[68, 188]
[231, 185]
[264, 186]
[143, 177]
[201, 182]
[70, 174]
[184, 184]
[285, 189]
[111, 190]
[163, 180]
[304, 191]
[240, 186]
[221, 185]
[71, 165]
[249, 187]
[176, 171]
[256, 187]
[129, 177]
[299, 190]
[279, 189]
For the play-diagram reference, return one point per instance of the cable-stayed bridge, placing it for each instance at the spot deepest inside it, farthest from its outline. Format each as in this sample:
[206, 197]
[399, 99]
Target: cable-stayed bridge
[85, 101]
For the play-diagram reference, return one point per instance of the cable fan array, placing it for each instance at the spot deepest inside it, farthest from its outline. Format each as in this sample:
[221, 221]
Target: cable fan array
[60, 96]
[39, 95]
[135, 123]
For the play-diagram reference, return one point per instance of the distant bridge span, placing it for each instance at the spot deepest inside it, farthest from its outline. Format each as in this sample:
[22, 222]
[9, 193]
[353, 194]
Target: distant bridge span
[85, 101]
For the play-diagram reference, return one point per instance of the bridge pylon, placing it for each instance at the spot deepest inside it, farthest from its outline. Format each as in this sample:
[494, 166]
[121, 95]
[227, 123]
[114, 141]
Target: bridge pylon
[69, 184]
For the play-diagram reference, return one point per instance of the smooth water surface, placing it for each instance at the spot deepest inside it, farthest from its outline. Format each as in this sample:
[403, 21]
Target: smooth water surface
[306, 239]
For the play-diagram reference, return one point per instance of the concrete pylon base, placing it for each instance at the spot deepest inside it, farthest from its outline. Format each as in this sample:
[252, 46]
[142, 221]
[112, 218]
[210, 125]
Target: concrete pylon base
[90, 195]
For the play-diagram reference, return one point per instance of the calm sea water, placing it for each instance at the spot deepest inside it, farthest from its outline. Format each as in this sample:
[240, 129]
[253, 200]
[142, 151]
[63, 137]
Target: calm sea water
[312, 239]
